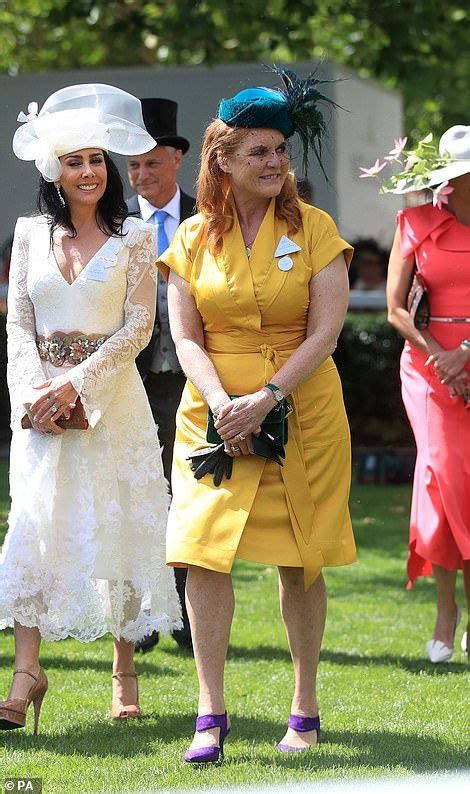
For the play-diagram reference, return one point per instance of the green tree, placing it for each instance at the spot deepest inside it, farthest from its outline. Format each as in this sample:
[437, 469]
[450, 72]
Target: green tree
[417, 46]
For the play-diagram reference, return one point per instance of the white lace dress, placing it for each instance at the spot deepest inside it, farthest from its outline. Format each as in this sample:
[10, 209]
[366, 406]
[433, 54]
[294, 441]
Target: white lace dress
[85, 550]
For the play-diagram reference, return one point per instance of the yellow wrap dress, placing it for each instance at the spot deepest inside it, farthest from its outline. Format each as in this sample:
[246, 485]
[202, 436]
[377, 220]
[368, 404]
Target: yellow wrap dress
[254, 317]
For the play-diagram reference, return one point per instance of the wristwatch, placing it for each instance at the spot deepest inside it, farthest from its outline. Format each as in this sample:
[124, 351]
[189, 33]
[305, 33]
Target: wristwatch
[465, 343]
[278, 394]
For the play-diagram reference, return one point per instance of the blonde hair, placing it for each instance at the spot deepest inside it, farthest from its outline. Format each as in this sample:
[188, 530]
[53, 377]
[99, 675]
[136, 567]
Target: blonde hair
[213, 186]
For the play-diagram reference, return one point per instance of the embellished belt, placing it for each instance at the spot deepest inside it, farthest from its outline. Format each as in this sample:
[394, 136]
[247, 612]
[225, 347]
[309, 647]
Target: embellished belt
[450, 319]
[61, 349]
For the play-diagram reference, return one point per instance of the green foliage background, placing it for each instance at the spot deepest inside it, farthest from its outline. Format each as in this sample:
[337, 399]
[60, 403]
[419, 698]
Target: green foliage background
[368, 360]
[417, 46]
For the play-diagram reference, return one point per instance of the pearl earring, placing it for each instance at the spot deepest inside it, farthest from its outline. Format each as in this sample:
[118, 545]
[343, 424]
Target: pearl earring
[61, 198]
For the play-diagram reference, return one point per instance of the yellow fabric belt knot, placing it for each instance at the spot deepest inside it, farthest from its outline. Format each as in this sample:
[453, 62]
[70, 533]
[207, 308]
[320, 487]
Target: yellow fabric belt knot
[268, 352]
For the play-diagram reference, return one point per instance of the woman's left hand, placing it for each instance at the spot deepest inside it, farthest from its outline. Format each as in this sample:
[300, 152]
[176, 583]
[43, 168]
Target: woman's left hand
[448, 363]
[57, 398]
[244, 415]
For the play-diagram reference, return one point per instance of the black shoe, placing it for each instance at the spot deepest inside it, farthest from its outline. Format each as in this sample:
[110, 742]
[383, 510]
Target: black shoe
[148, 642]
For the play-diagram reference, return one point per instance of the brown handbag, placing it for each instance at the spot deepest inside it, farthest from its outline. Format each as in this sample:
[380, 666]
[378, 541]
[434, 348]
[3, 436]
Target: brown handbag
[418, 302]
[76, 421]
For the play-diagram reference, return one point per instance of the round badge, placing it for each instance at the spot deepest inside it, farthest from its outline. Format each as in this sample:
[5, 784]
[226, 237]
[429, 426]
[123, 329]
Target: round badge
[285, 263]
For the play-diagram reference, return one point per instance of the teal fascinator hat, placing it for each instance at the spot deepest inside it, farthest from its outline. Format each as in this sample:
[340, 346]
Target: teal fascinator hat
[293, 108]
[258, 107]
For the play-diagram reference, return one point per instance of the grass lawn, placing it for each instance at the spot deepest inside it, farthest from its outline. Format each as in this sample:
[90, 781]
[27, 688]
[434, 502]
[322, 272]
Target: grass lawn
[385, 709]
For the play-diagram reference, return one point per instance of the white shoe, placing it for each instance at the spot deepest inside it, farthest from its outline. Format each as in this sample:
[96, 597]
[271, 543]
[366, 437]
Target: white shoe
[437, 651]
[463, 644]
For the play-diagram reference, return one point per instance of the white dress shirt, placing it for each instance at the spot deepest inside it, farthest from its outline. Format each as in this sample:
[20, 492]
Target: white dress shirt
[147, 210]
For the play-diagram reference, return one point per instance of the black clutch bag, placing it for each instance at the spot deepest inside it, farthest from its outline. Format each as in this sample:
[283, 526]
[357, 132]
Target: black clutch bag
[275, 423]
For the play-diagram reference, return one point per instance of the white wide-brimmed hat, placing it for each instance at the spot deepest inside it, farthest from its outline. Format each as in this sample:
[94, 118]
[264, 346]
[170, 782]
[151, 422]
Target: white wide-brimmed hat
[456, 142]
[90, 115]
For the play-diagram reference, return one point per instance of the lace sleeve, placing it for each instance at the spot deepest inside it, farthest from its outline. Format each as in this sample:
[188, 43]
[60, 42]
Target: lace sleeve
[24, 365]
[96, 378]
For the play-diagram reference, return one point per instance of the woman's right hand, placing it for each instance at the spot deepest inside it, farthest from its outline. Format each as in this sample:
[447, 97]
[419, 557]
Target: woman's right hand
[448, 364]
[46, 426]
[217, 402]
[460, 386]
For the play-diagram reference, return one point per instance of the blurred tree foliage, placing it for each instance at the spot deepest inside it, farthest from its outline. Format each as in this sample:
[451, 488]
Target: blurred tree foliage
[368, 360]
[418, 46]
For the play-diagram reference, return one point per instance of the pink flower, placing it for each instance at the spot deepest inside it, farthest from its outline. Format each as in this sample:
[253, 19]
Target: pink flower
[410, 163]
[395, 153]
[440, 194]
[373, 170]
[400, 144]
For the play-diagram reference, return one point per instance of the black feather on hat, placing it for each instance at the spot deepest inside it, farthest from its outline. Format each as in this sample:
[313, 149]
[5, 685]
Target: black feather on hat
[302, 97]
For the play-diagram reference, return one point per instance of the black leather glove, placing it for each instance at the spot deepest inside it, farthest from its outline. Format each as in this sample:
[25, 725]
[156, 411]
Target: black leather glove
[268, 446]
[211, 460]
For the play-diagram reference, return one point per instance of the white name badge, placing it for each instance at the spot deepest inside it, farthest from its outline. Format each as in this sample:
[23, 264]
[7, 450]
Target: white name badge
[96, 274]
[286, 246]
[285, 263]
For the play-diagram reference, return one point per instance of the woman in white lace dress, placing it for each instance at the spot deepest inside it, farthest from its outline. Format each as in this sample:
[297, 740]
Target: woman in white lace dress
[84, 554]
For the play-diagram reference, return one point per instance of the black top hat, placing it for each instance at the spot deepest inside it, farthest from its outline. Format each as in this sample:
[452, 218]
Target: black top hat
[160, 121]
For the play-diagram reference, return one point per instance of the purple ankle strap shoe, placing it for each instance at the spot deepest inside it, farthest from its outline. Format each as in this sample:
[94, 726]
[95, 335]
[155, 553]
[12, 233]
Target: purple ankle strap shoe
[209, 755]
[302, 725]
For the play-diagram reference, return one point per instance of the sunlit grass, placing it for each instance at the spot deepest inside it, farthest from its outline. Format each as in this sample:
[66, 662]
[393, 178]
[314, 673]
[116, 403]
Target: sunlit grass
[385, 709]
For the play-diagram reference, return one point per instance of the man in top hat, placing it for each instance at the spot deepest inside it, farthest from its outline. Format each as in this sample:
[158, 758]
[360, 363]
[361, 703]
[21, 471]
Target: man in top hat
[161, 201]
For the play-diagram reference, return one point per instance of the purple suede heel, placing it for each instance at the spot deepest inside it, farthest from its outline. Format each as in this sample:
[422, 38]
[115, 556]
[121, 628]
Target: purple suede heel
[209, 755]
[302, 725]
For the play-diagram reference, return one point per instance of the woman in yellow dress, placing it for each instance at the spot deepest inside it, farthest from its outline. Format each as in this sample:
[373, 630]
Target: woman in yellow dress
[258, 291]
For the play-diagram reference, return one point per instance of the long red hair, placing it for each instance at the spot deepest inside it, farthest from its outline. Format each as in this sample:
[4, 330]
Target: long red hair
[213, 187]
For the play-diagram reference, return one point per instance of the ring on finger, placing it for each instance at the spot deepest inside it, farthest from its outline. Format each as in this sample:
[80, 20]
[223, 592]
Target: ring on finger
[241, 437]
[53, 409]
[234, 447]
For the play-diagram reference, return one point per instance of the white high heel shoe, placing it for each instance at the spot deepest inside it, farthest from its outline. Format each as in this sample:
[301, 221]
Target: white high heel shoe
[438, 652]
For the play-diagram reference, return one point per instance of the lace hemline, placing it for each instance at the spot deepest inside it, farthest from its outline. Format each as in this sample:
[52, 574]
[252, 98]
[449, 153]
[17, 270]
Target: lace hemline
[163, 624]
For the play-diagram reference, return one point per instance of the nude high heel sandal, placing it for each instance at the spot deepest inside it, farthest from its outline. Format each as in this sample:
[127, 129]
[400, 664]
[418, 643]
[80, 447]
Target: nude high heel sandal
[13, 711]
[122, 713]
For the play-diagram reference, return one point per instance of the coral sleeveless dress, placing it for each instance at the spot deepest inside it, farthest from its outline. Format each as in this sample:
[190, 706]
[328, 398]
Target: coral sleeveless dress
[440, 512]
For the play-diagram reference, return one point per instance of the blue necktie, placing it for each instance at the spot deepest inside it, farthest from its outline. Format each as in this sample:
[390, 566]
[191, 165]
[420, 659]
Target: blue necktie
[162, 239]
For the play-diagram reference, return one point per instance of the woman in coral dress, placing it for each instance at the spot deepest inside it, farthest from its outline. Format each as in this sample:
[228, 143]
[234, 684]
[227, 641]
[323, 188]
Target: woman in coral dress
[435, 372]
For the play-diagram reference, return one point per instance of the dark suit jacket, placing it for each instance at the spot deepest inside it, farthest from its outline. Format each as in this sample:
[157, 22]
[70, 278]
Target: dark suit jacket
[187, 208]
